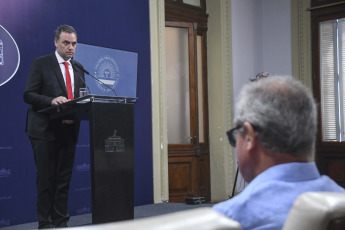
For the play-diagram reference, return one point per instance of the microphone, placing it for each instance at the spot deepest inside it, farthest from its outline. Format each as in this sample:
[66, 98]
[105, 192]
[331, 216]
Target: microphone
[82, 69]
[74, 63]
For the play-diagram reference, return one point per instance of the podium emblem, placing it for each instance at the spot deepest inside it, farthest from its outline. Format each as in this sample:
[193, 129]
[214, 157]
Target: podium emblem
[114, 144]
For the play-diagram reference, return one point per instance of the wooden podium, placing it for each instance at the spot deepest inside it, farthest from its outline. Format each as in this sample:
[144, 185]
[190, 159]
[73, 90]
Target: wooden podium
[111, 123]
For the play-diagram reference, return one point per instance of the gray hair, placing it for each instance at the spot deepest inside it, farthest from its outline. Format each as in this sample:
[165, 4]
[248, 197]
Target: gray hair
[64, 28]
[284, 112]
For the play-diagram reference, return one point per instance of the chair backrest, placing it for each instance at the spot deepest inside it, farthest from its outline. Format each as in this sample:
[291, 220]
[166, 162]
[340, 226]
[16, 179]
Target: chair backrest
[199, 218]
[317, 211]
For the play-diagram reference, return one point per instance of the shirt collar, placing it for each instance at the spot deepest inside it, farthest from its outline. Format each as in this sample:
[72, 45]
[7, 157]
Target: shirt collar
[60, 59]
[288, 172]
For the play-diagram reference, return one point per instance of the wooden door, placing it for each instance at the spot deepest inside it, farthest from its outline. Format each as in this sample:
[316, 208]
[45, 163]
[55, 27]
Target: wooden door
[188, 149]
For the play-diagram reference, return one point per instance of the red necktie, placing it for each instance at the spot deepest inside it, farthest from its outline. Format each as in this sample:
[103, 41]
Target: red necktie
[68, 82]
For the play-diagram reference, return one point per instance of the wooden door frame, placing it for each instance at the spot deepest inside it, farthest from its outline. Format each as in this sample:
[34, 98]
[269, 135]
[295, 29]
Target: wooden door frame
[183, 159]
[197, 155]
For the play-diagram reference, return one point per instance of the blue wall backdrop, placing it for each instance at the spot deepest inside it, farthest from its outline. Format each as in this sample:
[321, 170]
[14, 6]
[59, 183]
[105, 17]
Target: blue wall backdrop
[119, 24]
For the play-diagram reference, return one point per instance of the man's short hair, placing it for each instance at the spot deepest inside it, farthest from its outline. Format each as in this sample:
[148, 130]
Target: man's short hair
[284, 113]
[64, 28]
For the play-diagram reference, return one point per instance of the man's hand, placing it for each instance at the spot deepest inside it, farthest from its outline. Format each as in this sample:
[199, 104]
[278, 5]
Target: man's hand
[59, 100]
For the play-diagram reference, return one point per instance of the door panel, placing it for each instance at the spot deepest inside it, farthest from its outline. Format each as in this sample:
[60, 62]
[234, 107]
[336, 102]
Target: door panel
[182, 177]
[178, 94]
[181, 85]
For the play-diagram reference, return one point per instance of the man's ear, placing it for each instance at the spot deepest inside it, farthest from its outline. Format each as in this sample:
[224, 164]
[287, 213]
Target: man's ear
[250, 137]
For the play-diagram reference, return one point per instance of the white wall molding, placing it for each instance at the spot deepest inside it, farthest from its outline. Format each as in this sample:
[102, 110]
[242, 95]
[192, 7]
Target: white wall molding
[220, 91]
[301, 41]
[159, 110]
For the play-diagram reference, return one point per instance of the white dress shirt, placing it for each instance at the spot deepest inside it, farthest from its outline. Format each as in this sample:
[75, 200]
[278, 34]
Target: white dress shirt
[62, 67]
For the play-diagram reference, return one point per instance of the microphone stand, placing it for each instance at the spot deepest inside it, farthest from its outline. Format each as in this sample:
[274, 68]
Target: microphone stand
[85, 84]
[233, 189]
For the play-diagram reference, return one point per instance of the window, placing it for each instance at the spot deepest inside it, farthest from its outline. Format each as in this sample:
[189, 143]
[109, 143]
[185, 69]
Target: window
[328, 75]
[332, 79]
[193, 2]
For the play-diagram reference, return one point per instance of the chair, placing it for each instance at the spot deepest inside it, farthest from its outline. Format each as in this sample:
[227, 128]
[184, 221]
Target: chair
[199, 218]
[317, 211]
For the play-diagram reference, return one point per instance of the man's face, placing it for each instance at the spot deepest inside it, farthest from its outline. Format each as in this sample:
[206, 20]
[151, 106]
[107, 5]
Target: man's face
[66, 45]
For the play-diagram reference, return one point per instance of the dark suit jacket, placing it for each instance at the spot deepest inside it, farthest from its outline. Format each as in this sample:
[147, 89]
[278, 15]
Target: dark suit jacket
[45, 82]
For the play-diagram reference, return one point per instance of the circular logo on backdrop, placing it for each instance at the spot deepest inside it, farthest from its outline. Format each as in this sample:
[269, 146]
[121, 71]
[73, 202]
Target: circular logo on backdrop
[107, 71]
[9, 56]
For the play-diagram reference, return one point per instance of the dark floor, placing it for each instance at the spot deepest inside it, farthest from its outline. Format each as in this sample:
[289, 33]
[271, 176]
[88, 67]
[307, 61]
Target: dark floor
[139, 212]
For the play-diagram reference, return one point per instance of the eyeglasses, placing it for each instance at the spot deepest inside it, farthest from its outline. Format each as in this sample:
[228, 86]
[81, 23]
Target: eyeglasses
[259, 76]
[232, 135]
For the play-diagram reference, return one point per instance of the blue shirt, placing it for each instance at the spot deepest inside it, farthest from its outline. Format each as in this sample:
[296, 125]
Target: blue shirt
[266, 201]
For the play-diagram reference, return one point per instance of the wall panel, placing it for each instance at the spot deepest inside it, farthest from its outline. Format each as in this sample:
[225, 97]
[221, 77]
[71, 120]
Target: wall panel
[120, 24]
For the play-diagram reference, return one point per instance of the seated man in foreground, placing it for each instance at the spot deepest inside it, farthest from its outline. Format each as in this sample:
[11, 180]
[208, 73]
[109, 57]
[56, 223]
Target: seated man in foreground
[275, 130]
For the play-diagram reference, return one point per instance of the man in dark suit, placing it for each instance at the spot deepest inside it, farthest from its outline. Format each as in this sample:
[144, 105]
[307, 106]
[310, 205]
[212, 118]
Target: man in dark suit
[53, 80]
